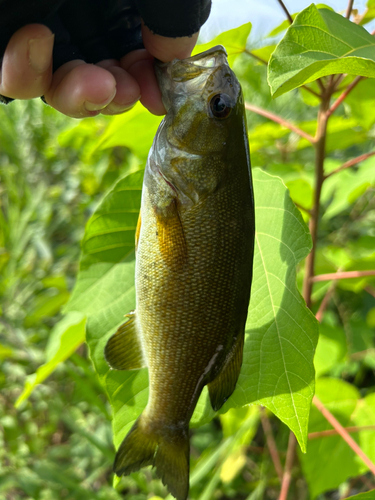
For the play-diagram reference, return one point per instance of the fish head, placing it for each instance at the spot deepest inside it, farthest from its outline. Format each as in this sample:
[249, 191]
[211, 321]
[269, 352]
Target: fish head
[203, 100]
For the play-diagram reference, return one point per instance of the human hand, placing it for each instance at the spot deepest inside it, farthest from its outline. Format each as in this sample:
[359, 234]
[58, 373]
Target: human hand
[78, 89]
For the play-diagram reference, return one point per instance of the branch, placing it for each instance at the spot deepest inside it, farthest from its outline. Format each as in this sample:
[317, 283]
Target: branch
[341, 275]
[325, 301]
[280, 120]
[334, 432]
[350, 163]
[343, 433]
[308, 211]
[290, 19]
[349, 9]
[339, 100]
[319, 142]
[271, 443]
[288, 467]
[260, 59]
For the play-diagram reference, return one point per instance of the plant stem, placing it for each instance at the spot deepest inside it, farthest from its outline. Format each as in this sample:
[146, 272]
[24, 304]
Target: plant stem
[343, 433]
[325, 301]
[271, 443]
[320, 142]
[350, 163]
[349, 9]
[290, 19]
[288, 467]
[303, 208]
[334, 432]
[280, 120]
[254, 56]
[341, 275]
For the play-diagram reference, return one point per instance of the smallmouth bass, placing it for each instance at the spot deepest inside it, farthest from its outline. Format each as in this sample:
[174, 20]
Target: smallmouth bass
[194, 256]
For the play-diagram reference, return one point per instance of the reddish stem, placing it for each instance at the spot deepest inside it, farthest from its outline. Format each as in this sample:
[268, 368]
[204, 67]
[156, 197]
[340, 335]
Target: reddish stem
[288, 467]
[290, 19]
[341, 275]
[334, 432]
[350, 163]
[325, 302]
[271, 443]
[280, 120]
[349, 9]
[343, 433]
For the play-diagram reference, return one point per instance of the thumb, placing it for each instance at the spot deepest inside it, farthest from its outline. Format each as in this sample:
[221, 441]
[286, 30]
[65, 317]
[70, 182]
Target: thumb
[166, 49]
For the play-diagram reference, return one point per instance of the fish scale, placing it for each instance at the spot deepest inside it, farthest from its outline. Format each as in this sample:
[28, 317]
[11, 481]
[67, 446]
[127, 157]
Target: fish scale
[195, 243]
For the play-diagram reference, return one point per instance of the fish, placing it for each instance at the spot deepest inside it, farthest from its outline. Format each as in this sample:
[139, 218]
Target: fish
[194, 259]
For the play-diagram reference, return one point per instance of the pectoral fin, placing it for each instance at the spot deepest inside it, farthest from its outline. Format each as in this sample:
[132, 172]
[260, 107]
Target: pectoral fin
[123, 350]
[221, 388]
[171, 237]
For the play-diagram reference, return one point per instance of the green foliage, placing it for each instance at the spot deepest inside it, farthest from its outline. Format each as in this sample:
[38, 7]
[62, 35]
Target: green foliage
[319, 43]
[67, 335]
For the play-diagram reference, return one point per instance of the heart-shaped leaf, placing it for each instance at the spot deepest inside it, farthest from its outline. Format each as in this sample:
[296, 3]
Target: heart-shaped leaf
[319, 43]
[281, 332]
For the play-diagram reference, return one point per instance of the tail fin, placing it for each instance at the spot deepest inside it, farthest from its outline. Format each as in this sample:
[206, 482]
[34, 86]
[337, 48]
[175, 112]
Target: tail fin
[166, 449]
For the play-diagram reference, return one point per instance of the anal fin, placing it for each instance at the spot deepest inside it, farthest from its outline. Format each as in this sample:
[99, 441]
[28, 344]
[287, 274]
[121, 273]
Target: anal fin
[123, 350]
[221, 388]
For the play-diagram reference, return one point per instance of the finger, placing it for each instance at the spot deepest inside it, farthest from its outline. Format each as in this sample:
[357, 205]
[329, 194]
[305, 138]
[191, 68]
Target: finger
[127, 89]
[144, 74]
[27, 64]
[166, 49]
[79, 89]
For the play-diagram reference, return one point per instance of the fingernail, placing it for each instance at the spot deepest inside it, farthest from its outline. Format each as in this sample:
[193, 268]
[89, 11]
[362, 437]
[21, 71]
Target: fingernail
[116, 109]
[97, 106]
[40, 53]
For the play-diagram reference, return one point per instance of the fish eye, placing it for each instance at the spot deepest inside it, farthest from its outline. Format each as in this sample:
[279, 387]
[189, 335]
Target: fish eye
[221, 106]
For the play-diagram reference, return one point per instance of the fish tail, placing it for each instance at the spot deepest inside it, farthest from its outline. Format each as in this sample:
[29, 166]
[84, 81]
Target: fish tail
[166, 449]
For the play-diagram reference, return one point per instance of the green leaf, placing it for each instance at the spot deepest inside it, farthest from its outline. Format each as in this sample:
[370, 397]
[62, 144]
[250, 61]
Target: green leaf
[281, 332]
[67, 335]
[331, 348]
[233, 40]
[285, 24]
[134, 129]
[368, 495]
[320, 43]
[360, 102]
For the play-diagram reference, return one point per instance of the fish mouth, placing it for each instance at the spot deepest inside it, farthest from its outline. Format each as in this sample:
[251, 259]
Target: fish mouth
[182, 76]
[183, 70]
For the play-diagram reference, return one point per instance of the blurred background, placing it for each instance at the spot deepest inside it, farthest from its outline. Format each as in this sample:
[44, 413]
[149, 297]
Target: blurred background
[53, 172]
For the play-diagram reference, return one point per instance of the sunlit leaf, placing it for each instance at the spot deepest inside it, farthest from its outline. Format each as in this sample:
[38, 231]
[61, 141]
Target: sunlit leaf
[277, 369]
[65, 338]
[359, 103]
[233, 40]
[319, 43]
[331, 348]
[368, 495]
[134, 129]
